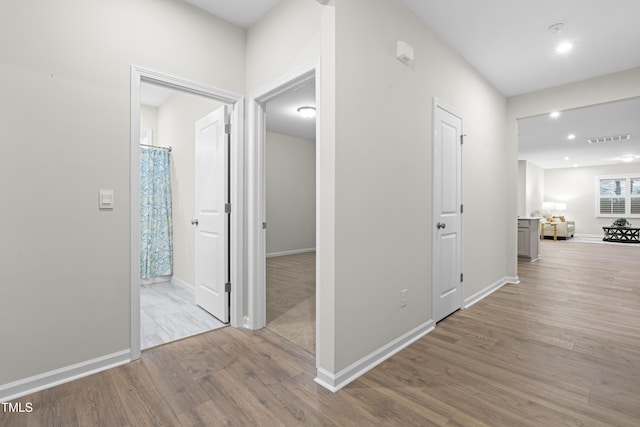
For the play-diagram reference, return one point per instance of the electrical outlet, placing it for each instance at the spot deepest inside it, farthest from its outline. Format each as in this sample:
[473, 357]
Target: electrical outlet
[403, 298]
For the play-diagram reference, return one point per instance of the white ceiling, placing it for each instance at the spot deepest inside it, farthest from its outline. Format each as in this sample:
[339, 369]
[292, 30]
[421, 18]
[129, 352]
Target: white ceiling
[243, 13]
[508, 42]
[283, 116]
[543, 140]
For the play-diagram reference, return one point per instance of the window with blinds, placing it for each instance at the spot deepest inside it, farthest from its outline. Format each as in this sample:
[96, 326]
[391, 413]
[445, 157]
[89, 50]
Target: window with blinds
[618, 196]
[634, 196]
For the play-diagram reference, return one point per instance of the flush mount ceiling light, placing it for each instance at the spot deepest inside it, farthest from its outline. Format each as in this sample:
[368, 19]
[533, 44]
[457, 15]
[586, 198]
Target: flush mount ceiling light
[554, 115]
[571, 136]
[627, 159]
[307, 112]
[564, 47]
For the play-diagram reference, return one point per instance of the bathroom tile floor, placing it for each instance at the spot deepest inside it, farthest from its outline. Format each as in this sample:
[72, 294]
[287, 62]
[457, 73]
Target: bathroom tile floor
[168, 313]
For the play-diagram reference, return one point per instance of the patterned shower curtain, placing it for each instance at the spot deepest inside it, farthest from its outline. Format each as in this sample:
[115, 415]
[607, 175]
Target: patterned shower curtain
[156, 245]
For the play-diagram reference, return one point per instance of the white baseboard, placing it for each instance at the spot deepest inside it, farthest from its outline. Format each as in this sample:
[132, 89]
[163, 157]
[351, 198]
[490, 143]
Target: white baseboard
[334, 382]
[184, 285]
[59, 376]
[468, 302]
[154, 280]
[293, 252]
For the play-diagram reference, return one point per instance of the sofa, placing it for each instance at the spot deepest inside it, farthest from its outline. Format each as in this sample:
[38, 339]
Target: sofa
[565, 228]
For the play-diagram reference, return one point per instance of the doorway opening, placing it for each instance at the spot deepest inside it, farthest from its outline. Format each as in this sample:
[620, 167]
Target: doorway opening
[280, 260]
[290, 213]
[168, 116]
[170, 307]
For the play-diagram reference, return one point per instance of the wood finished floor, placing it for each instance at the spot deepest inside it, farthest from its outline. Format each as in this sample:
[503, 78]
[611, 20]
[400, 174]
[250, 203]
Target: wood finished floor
[291, 298]
[562, 348]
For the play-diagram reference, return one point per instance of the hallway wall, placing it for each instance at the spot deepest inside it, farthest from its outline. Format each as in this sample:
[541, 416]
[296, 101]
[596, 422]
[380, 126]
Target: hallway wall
[290, 169]
[384, 197]
[65, 74]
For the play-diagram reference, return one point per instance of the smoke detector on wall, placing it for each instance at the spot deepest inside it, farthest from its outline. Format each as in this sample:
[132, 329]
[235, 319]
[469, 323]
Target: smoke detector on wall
[404, 52]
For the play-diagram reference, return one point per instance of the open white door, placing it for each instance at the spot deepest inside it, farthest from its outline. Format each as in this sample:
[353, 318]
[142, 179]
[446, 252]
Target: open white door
[212, 214]
[447, 209]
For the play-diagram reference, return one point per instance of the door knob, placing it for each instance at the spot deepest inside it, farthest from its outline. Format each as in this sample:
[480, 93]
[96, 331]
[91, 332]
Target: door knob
[194, 221]
[441, 225]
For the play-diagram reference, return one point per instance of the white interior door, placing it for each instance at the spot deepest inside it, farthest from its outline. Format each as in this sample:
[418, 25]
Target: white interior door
[212, 214]
[447, 219]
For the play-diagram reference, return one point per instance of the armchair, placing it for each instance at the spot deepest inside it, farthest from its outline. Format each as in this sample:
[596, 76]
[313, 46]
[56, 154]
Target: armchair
[563, 228]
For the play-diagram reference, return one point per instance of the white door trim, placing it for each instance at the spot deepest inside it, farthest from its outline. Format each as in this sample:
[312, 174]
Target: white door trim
[437, 103]
[236, 103]
[256, 238]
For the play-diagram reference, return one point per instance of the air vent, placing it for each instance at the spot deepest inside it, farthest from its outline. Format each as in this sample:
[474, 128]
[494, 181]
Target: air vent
[614, 138]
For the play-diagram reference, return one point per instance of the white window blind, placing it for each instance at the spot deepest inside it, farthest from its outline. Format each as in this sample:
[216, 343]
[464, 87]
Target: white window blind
[635, 196]
[618, 196]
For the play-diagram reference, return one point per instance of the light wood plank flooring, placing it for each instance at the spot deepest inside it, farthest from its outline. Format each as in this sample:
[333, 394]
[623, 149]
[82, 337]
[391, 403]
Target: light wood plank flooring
[291, 298]
[562, 348]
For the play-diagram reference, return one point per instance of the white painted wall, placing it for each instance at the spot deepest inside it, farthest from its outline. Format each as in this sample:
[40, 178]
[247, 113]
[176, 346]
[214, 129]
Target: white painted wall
[522, 188]
[383, 172]
[577, 188]
[290, 164]
[285, 38]
[149, 119]
[534, 188]
[176, 128]
[65, 83]
[292, 34]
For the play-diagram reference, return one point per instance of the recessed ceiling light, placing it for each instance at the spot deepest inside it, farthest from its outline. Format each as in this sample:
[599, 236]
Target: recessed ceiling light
[627, 159]
[564, 47]
[575, 166]
[554, 115]
[571, 136]
[566, 158]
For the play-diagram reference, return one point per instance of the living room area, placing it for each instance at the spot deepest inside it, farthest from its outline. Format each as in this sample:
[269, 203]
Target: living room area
[579, 172]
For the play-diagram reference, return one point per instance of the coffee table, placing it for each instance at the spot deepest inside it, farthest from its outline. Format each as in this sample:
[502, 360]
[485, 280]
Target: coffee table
[621, 234]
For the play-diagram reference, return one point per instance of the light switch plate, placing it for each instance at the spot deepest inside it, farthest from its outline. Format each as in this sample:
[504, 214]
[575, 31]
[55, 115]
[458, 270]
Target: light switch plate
[105, 199]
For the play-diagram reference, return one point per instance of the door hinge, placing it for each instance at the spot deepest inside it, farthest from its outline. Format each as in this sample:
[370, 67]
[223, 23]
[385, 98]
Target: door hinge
[227, 287]
[461, 208]
[227, 128]
[461, 277]
[264, 225]
[227, 208]
[462, 138]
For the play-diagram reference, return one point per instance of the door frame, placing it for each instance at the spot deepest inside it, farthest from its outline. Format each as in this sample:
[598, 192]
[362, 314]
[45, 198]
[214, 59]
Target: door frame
[236, 105]
[437, 103]
[256, 211]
